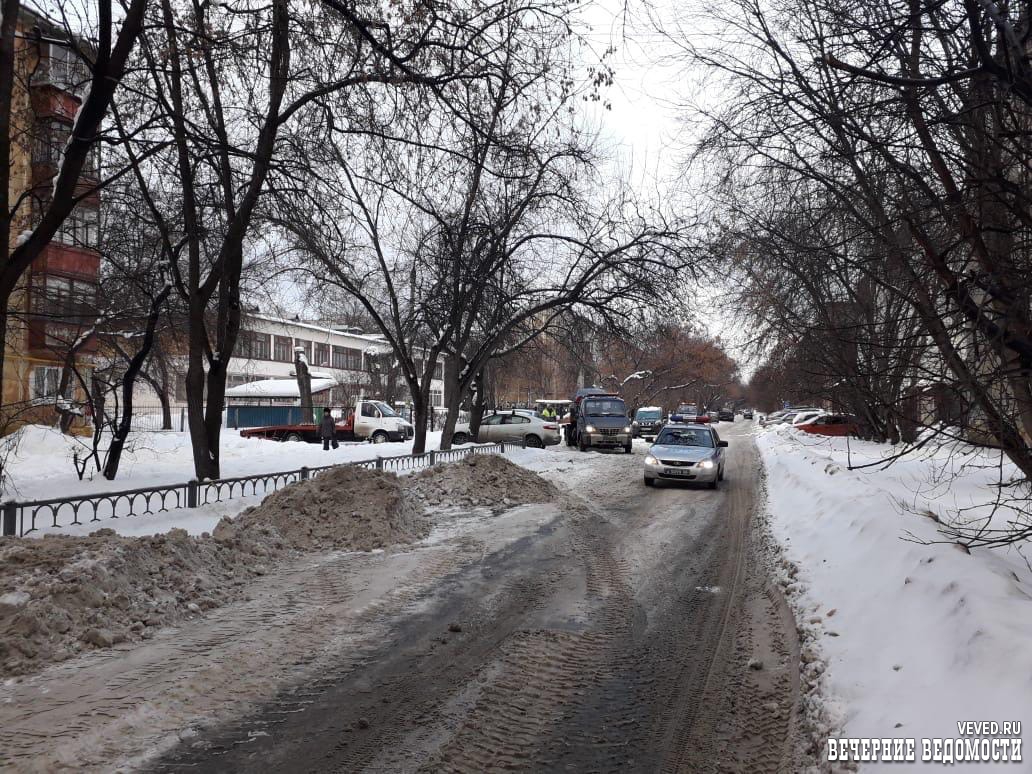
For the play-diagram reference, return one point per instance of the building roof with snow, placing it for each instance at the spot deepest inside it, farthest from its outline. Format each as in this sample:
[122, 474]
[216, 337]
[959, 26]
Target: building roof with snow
[276, 388]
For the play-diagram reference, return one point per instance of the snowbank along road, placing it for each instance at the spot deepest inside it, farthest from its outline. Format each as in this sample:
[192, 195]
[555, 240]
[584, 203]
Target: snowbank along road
[617, 629]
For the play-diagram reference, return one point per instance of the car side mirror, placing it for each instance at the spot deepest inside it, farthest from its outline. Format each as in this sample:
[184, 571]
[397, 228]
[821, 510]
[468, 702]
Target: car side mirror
[722, 443]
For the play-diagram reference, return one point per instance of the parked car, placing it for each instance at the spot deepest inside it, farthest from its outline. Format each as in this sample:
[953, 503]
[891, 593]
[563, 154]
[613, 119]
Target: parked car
[832, 424]
[689, 452]
[726, 415]
[805, 416]
[714, 416]
[511, 426]
[647, 423]
[747, 414]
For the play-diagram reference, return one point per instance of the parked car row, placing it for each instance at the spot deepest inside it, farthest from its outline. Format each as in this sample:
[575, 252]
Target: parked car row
[814, 421]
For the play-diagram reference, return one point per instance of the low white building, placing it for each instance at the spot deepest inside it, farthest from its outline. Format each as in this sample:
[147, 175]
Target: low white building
[265, 350]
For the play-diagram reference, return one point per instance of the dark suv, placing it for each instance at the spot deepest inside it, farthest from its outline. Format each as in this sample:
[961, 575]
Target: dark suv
[648, 421]
[726, 415]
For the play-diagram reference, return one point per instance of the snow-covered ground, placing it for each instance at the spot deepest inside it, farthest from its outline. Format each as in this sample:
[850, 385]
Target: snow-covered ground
[40, 466]
[911, 638]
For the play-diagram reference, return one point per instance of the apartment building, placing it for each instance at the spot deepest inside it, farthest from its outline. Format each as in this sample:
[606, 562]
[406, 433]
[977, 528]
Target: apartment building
[56, 301]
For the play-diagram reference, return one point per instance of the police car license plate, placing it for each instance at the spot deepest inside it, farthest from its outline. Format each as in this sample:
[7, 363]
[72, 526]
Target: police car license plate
[677, 471]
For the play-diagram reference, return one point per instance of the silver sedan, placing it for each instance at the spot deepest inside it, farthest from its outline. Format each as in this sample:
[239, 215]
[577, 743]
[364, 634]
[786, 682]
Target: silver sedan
[511, 426]
[686, 453]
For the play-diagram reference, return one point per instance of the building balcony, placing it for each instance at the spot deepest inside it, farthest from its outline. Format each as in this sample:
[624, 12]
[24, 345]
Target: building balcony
[72, 260]
[50, 337]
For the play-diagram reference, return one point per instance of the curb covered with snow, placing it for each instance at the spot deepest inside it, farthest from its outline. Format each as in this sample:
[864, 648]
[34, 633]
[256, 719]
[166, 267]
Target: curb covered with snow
[904, 639]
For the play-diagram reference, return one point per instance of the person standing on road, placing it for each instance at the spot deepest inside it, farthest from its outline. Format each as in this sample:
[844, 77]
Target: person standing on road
[548, 412]
[328, 430]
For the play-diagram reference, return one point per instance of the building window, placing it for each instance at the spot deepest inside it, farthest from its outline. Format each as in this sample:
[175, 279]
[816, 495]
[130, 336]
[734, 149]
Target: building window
[347, 359]
[322, 354]
[307, 345]
[253, 346]
[81, 228]
[260, 346]
[284, 349]
[436, 398]
[64, 298]
[45, 381]
[439, 370]
[50, 141]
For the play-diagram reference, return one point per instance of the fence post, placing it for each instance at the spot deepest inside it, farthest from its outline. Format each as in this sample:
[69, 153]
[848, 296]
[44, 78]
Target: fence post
[501, 448]
[304, 473]
[524, 443]
[182, 418]
[379, 462]
[10, 517]
[191, 493]
[433, 457]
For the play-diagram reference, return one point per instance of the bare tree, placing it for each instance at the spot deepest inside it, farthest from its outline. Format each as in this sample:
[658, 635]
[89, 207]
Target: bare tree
[890, 143]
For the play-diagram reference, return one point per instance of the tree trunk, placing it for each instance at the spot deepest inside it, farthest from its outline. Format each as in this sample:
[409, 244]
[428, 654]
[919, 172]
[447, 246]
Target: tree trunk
[206, 465]
[161, 390]
[304, 384]
[420, 402]
[453, 399]
[476, 414]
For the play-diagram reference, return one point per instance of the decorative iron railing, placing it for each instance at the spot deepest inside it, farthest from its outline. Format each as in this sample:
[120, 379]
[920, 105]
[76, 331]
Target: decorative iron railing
[24, 517]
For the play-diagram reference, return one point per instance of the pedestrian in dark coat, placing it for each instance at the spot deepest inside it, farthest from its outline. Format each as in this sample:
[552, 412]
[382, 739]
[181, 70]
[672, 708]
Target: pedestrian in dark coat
[328, 430]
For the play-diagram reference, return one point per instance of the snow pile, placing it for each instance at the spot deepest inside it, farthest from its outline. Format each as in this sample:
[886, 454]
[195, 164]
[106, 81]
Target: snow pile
[344, 508]
[60, 595]
[899, 639]
[480, 480]
[63, 595]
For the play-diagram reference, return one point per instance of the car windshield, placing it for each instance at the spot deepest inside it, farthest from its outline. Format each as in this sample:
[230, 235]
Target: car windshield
[647, 414]
[685, 437]
[385, 410]
[686, 408]
[605, 408]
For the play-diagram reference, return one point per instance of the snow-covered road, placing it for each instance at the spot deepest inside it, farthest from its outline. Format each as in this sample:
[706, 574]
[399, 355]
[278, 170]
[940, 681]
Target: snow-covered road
[606, 631]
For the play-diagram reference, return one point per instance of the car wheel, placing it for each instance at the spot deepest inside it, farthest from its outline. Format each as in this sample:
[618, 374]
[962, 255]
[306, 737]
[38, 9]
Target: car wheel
[650, 481]
[627, 449]
[459, 439]
[713, 484]
[293, 438]
[380, 437]
[720, 474]
[533, 442]
[580, 443]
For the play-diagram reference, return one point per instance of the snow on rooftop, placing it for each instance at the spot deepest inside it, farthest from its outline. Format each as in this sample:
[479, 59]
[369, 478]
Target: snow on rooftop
[276, 388]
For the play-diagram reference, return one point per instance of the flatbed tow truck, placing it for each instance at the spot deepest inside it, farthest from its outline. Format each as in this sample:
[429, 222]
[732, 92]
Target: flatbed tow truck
[370, 420]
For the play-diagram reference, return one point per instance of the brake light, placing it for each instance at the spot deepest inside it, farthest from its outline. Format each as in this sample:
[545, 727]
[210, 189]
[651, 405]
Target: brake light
[551, 427]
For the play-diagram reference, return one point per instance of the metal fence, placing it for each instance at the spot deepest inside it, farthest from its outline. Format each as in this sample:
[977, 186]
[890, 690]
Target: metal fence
[151, 417]
[23, 518]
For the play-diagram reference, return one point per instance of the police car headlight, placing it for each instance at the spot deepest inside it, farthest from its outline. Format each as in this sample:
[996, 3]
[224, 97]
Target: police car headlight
[706, 464]
[650, 460]
[589, 428]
